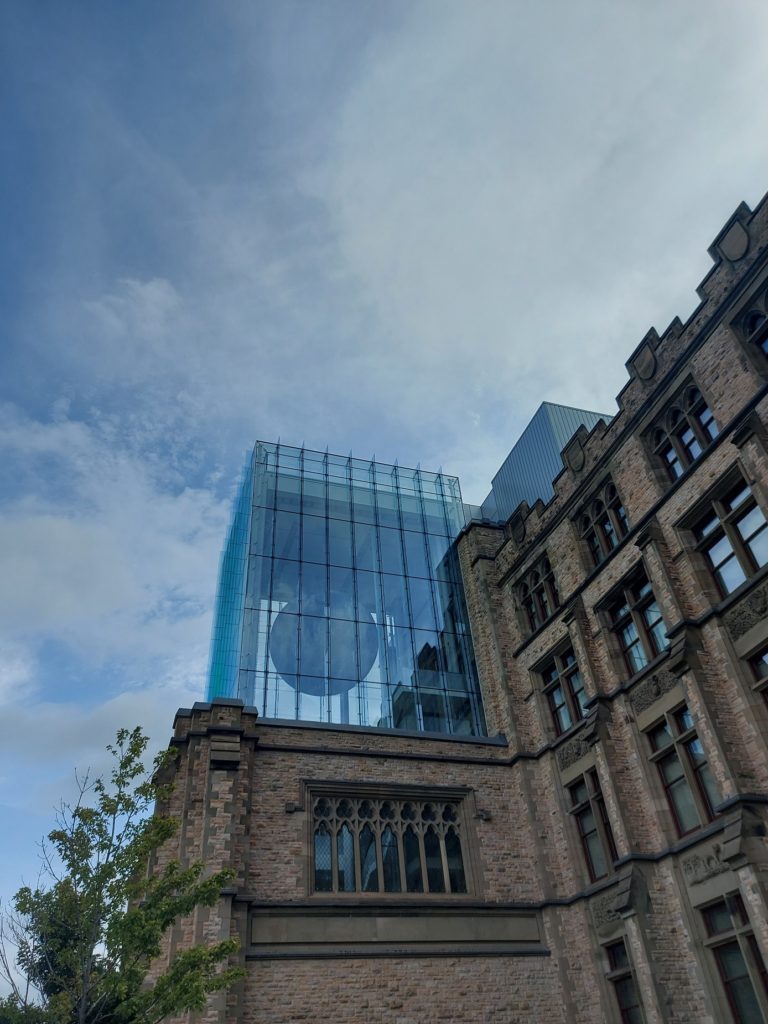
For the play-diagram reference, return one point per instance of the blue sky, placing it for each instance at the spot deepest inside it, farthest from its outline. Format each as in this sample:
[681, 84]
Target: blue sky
[391, 227]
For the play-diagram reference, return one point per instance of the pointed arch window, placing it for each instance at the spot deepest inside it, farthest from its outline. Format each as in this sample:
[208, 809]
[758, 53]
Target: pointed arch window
[684, 433]
[538, 594]
[603, 523]
[393, 846]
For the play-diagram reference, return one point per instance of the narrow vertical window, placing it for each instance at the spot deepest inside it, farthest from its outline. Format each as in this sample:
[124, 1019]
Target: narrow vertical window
[323, 860]
[346, 859]
[413, 877]
[390, 860]
[434, 861]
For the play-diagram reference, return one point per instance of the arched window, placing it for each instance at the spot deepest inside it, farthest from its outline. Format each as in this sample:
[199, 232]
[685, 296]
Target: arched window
[686, 431]
[377, 845]
[755, 327]
[537, 594]
[603, 523]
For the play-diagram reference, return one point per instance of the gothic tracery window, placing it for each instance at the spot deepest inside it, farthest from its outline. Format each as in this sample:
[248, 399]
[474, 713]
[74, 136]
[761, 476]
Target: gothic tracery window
[604, 523]
[378, 845]
[687, 429]
[538, 594]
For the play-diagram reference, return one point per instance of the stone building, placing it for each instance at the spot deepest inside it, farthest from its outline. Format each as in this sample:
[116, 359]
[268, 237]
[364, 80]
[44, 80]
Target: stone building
[598, 850]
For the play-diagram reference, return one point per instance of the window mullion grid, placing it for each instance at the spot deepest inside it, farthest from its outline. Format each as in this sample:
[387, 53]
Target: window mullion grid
[693, 774]
[741, 935]
[733, 534]
[683, 456]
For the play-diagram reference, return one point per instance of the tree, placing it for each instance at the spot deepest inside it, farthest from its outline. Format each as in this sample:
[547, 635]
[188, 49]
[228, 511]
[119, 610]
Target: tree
[78, 950]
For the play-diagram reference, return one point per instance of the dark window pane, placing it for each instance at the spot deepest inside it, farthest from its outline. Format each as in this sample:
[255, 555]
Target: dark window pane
[413, 879]
[434, 861]
[313, 646]
[369, 872]
[346, 859]
[455, 863]
[390, 861]
[323, 868]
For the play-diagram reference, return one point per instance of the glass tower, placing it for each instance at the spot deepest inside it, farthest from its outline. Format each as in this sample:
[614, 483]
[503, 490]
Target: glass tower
[340, 598]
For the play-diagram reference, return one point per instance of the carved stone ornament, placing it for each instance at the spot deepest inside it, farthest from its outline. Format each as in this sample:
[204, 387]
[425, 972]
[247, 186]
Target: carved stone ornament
[748, 613]
[644, 363]
[701, 866]
[517, 527]
[574, 455]
[735, 242]
[651, 689]
[571, 751]
[602, 910]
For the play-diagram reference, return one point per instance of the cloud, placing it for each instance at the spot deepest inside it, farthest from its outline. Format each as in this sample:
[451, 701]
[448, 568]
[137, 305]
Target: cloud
[104, 551]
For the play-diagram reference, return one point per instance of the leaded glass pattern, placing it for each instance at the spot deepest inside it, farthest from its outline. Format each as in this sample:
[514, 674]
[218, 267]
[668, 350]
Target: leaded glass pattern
[380, 845]
[352, 609]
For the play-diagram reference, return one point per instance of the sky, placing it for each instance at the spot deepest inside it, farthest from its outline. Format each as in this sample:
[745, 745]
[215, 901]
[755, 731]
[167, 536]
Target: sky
[371, 225]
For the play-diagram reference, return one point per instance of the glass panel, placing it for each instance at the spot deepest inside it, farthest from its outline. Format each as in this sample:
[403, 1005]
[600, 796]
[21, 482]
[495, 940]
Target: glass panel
[391, 545]
[680, 794]
[434, 713]
[287, 535]
[389, 513]
[340, 542]
[285, 583]
[366, 556]
[346, 858]
[390, 860]
[363, 508]
[460, 707]
[366, 585]
[323, 867]
[313, 589]
[343, 662]
[413, 879]
[369, 872]
[416, 554]
[422, 607]
[595, 853]
[455, 863]
[313, 539]
[342, 593]
[395, 600]
[400, 659]
[435, 879]
[288, 495]
[313, 646]
[404, 709]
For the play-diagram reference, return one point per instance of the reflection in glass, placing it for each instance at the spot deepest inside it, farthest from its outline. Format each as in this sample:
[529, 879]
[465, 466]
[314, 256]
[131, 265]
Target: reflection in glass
[340, 598]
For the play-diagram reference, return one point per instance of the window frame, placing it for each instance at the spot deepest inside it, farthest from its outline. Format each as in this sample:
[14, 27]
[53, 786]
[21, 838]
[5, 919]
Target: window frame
[557, 673]
[682, 737]
[686, 421]
[619, 972]
[752, 325]
[716, 520]
[593, 804]
[758, 666]
[741, 936]
[603, 523]
[537, 594]
[626, 610]
[359, 794]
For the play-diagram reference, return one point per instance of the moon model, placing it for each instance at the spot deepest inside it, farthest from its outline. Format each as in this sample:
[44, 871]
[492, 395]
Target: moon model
[316, 655]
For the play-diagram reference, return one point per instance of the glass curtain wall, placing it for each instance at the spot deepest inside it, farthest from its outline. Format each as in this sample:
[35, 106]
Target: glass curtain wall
[353, 609]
